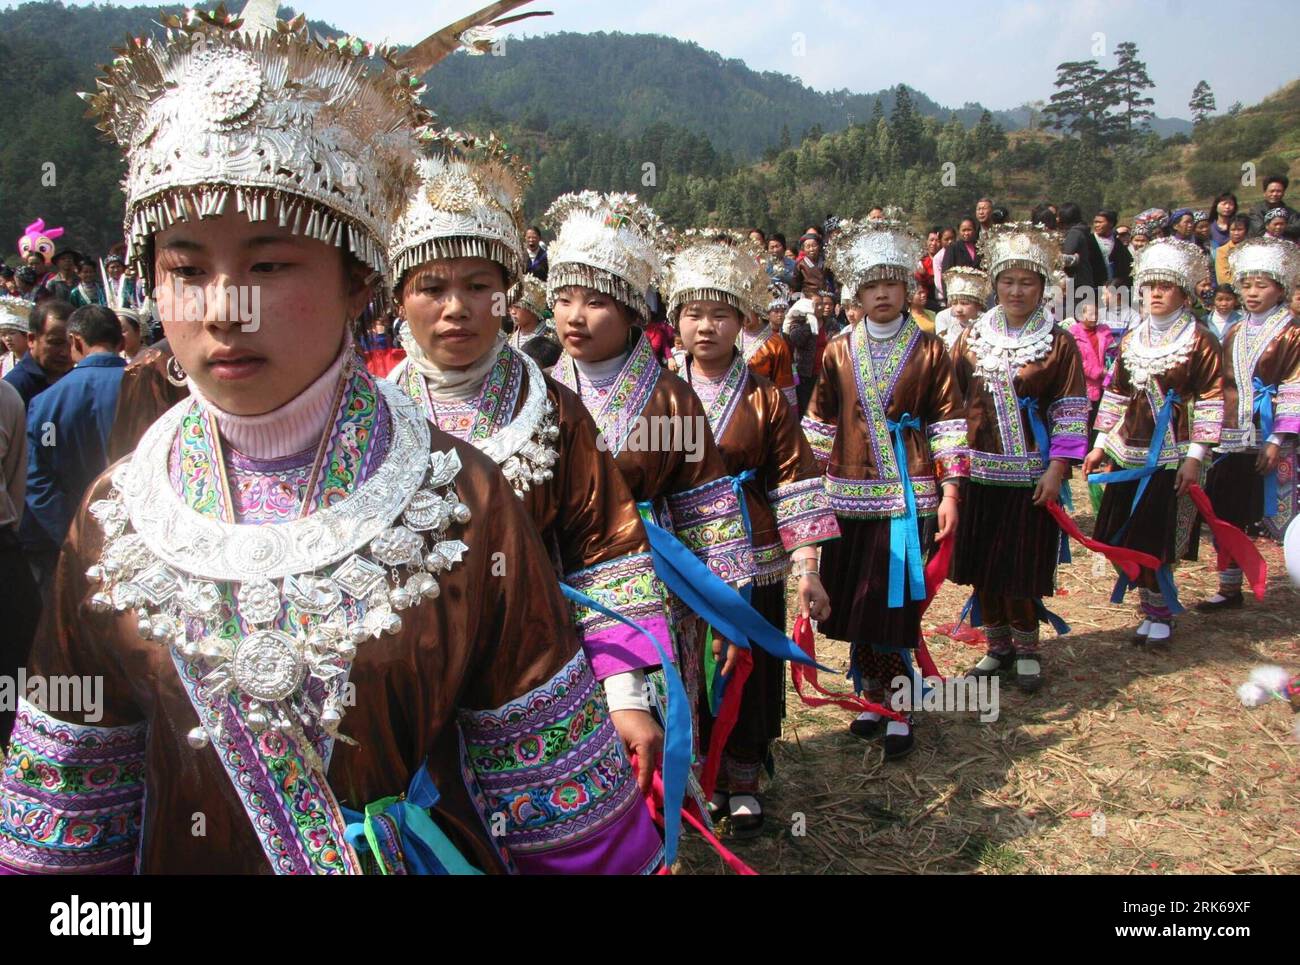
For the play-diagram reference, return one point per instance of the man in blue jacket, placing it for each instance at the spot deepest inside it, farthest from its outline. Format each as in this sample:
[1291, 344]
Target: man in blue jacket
[47, 358]
[67, 433]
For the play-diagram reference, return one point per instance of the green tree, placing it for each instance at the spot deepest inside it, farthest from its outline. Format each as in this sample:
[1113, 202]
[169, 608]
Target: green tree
[1075, 106]
[905, 128]
[1129, 81]
[1202, 103]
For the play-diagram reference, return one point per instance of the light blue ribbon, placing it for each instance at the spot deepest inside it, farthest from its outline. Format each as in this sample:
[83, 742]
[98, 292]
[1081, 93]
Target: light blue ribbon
[1145, 472]
[426, 850]
[1263, 407]
[738, 487]
[677, 726]
[906, 569]
[1164, 575]
[718, 604]
[738, 481]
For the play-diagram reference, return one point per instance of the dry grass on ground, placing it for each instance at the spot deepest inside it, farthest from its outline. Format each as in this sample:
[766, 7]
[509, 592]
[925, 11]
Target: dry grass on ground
[1186, 778]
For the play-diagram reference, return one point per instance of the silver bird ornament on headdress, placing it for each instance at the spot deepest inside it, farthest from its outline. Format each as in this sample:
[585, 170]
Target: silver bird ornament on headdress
[321, 135]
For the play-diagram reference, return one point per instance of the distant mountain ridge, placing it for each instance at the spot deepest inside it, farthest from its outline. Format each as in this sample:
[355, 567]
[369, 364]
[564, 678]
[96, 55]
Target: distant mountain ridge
[628, 81]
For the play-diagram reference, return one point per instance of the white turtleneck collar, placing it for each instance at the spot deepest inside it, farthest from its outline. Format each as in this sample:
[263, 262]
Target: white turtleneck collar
[882, 330]
[294, 427]
[1163, 322]
[1259, 318]
[600, 371]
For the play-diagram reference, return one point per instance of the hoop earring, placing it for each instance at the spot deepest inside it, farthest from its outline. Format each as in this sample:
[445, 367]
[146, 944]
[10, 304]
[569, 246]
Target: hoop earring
[175, 374]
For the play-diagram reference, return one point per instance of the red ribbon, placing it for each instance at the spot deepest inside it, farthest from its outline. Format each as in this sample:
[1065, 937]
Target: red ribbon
[936, 571]
[803, 636]
[1130, 561]
[1231, 544]
[654, 802]
[725, 722]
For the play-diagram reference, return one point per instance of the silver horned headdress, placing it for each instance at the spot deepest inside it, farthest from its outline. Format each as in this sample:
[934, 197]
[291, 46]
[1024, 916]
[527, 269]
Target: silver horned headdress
[964, 282]
[469, 204]
[1274, 258]
[1181, 263]
[716, 266]
[259, 112]
[865, 251]
[609, 242]
[1021, 245]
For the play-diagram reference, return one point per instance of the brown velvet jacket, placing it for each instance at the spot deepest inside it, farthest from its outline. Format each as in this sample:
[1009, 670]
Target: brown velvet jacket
[486, 639]
[846, 423]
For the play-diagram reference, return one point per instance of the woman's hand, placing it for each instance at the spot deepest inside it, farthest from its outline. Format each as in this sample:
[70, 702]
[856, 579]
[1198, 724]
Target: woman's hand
[947, 517]
[813, 601]
[643, 738]
[1048, 489]
[1095, 461]
[719, 642]
[1189, 474]
[1267, 460]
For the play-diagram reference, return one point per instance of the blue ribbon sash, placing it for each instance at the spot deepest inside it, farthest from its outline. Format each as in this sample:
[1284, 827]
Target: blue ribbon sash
[677, 727]
[906, 568]
[1263, 408]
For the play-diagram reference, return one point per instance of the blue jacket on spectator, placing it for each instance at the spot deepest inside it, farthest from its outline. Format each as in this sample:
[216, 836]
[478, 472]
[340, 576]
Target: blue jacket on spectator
[28, 378]
[67, 442]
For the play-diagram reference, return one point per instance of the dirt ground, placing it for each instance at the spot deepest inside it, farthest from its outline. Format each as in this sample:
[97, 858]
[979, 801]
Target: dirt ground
[1127, 761]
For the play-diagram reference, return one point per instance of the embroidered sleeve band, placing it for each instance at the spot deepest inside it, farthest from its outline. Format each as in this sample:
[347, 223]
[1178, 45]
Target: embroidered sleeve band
[1286, 417]
[1207, 421]
[1111, 411]
[1067, 421]
[803, 514]
[948, 447]
[552, 766]
[627, 585]
[821, 437]
[707, 520]
[71, 796]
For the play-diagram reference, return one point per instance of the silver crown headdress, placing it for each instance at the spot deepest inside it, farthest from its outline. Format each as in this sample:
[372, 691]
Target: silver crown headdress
[469, 204]
[867, 251]
[286, 125]
[609, 242]
[14, 313]
[1181, 263]
[716, 266]
[530, 293]
[965, 282]
[1274, 258]
[1020, 245]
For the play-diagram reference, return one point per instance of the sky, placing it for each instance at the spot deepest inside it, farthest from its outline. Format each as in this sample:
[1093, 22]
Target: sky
[1000, 53]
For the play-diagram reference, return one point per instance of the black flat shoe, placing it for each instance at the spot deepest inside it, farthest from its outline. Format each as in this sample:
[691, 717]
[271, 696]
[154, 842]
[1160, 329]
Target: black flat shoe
[746, 825]
[1230, 601]
[718, 804]
[867, 729]
[1004, 665]
[1029, 682]
[898, 746]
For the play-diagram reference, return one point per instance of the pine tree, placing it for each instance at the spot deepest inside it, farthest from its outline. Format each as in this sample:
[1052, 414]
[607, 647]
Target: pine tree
[987, 138]
[1202, 102]
[1077, 105]
[905, 128]
[1128, 80]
